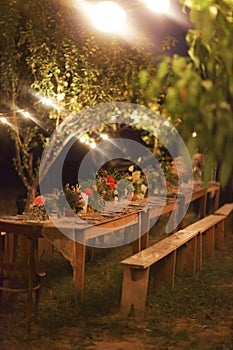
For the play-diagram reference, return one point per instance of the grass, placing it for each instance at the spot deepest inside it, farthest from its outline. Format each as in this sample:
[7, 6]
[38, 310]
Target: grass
[192, 316]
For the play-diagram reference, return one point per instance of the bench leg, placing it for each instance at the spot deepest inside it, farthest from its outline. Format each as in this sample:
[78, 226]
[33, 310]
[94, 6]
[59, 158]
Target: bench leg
[199, 253]
[134, 291]
[208, 242]
[186, 258]
[219, 235]
[164, 271]
[203, 203]
[229, 225]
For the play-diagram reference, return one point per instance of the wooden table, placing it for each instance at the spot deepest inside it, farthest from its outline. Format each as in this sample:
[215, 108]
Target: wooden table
[73, 244]
[71, 237]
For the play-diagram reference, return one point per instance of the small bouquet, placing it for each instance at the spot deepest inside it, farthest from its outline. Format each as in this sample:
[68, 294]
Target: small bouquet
[38, 210]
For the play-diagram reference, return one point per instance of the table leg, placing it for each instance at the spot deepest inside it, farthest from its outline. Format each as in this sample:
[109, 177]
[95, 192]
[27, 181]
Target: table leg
[78, 265]
[203, 201]
[136, 245]
[216, 199]
[180, 214]
[145, 226]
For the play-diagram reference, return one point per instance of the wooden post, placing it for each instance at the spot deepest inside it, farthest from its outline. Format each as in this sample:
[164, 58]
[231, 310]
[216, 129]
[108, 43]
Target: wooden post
[219, 235]
[216, 198]
[203, 201]
[186, 258]
[229, 224]
[164, 271]
[78, 264]
[145, 226]
[181, 204]
[208, 242]
[137, 243]
[134, 291]
[199, 253]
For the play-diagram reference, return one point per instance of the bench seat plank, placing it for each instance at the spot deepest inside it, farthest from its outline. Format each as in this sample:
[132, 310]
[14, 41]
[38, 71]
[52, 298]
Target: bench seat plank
[204, 224]
[158, 251]
[226, 209]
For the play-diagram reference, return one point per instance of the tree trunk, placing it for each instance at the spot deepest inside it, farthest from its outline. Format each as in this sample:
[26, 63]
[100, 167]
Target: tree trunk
[31, 194]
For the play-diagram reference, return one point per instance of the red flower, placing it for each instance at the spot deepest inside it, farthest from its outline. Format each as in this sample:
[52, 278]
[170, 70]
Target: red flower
[88, 191]
[111, 179]
[112, 185]
[39, 201]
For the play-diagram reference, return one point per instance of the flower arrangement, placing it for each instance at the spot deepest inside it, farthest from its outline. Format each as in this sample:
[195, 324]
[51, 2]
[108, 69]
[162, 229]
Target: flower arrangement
[73, 196]
[56, 202]
[101, 188]
[153, 181]
[139, 182]
[198, 166]
[104, 187]
[38, 209]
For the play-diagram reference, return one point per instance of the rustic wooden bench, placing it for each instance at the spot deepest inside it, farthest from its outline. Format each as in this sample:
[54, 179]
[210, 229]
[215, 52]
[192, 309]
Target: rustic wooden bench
[227, 211]
[179, 253]
[211, 230]
[165, 258]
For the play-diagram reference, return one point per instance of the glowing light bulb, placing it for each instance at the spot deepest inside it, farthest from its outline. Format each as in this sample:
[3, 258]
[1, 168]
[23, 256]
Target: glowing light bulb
[3, 120]
[104, 136]
[107, 16]
[194, 134]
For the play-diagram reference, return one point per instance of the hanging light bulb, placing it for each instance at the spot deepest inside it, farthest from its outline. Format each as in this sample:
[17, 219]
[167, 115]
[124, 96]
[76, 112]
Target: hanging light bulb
[107, 16]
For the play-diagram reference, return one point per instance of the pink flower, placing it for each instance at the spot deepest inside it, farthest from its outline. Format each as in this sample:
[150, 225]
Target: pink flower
[88, 191]
[39, 201]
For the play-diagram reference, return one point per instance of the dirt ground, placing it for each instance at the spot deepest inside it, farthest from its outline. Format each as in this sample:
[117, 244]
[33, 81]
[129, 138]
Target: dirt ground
[197, 315]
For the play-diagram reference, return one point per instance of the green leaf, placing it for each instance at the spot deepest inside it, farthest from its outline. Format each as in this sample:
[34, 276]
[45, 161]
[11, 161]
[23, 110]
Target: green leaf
[143, 78]
[207, 84]
[209, 166]
[162, 69]
[225, 172]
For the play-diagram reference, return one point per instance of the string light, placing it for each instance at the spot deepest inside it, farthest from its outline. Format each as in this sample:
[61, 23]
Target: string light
[47, 101]
[194, 134]
[9, 116]
[104, 136]
[3, 120]
[26, 114]
[82, 139]
[166, 123]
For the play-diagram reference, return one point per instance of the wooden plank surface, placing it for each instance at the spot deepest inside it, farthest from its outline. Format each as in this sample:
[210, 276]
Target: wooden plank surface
[204, 224]
[226, 209]
[159, 250]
